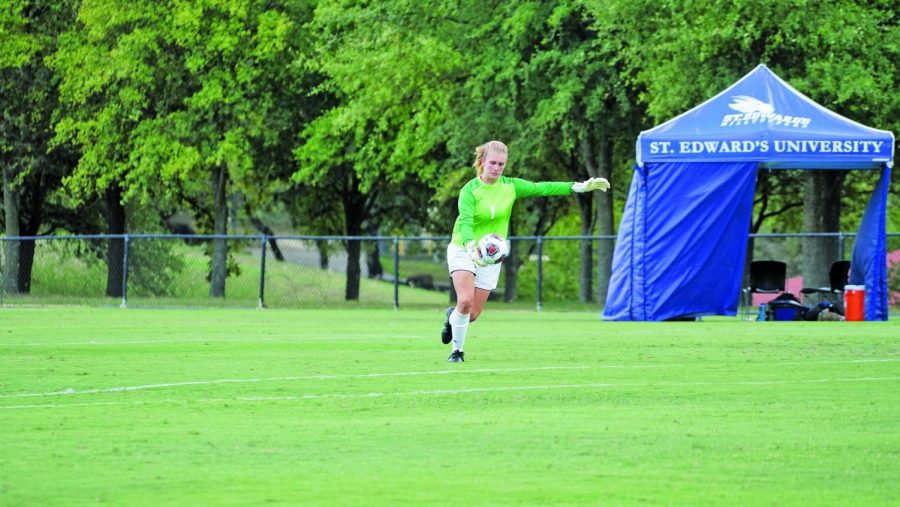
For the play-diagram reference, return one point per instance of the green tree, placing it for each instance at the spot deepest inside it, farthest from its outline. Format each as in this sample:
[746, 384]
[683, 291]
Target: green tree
[385, 67]
[178, 98]
[19, 48]
[31, 170]
[577, 108]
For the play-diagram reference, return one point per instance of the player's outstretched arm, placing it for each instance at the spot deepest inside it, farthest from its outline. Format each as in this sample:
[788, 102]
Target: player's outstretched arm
[590, 185]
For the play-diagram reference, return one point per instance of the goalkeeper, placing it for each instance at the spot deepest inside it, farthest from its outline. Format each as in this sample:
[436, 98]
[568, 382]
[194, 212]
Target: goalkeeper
[485, 205]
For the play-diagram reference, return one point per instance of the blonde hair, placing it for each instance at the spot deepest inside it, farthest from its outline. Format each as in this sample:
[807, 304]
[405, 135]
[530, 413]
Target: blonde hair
[481, 152]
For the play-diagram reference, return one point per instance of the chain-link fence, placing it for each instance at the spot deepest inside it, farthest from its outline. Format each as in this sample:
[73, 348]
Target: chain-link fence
[146, 270]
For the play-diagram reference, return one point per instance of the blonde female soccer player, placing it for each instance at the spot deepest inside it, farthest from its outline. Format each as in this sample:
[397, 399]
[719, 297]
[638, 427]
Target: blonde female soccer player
[485, 205]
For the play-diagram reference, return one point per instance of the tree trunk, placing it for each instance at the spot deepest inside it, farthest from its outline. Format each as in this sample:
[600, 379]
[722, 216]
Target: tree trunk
[321, 246]
[374, 269]
[453, 206]
[597, 160]
[751, 244]
[11, 218]
[354, 215]
[603, 206]
[26, 263]
[115, 216]
[511, 267]
[351, 292]
[31, 216]
[821, 213]
[220, 227]
[585, 250]
[373, 261]
[266, 230]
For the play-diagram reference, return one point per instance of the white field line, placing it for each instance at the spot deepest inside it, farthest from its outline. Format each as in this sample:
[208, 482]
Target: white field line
[285, 339]
[566, 386]
[87, 343]
[845, 361]
[445, 392]
[68, 392]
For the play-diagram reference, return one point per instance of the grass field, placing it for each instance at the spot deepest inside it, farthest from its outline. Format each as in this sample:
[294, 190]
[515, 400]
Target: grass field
[328, 407]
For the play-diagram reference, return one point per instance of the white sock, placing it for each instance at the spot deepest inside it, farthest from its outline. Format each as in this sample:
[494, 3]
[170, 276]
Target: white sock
[459, 324]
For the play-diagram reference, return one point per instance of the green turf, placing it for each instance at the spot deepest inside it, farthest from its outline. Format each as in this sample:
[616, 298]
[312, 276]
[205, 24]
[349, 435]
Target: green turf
[327, 407]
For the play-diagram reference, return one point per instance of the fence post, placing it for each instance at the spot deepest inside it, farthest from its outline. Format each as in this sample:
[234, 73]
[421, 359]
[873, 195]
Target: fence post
[540, 269]
[396, 272]
[262, 273]
[125, 273]
[841, 245]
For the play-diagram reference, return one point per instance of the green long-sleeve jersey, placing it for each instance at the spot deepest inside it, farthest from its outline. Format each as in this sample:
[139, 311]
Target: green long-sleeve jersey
[486, 209]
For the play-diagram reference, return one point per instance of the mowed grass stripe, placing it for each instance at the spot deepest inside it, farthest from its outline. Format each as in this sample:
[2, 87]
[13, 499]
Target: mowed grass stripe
[301, 377]
[442, 392]
[455, 371]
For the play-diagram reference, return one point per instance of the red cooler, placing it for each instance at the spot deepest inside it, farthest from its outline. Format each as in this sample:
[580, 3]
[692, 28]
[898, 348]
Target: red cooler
[854, 302]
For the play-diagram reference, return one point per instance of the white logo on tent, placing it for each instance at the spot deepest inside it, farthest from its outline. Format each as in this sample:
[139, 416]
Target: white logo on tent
[755, 111]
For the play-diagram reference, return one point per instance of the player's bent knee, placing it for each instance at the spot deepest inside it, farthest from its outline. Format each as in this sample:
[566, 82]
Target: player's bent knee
[464, 306]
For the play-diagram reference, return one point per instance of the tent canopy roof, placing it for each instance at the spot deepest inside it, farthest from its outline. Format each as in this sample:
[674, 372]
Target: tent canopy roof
[762, 118]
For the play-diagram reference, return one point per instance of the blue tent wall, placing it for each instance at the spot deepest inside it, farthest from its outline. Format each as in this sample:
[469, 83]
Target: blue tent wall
[682, 241]
[624, 301]
[869, 265]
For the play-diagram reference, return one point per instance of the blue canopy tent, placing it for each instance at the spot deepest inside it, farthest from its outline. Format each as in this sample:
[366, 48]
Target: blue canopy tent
[682, 241]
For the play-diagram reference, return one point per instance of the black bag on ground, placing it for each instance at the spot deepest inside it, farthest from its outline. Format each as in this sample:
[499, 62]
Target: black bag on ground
[785, 307]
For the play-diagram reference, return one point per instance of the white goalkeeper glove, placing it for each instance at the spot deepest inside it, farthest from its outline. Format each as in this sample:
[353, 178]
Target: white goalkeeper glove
[472, 249]
[590, 185]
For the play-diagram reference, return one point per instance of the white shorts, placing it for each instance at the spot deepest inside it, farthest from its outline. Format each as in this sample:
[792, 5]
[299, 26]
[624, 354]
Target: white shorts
[485, 277]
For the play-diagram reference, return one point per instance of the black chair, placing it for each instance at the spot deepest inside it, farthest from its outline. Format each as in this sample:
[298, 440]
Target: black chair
[766, 277]
[838, 277]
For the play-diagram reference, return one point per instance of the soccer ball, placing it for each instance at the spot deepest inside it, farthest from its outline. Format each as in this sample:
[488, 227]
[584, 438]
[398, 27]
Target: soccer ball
[492, 249]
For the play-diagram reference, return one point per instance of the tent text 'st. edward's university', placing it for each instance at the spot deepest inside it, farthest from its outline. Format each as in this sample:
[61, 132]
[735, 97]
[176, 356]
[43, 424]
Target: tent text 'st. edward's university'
[765, 146]
[762, 118]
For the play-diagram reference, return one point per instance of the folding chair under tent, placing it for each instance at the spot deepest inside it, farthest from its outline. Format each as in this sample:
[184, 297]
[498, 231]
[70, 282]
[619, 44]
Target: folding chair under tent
[681, 245]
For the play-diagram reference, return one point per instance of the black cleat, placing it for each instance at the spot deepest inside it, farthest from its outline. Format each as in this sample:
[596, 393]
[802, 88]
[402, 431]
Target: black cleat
[457, 356]
[447, 333]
